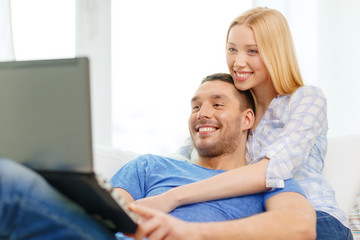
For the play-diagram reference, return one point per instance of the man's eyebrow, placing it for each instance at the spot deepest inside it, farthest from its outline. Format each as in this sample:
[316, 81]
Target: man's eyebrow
[213, 96]
[219, 96]
[194, 99]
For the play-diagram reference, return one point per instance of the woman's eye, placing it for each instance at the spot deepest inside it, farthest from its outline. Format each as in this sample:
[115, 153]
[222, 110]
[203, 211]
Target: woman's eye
[231, 50]
[252, 51]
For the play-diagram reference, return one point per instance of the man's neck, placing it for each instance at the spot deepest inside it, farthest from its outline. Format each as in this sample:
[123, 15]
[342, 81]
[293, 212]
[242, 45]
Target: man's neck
[224, 161]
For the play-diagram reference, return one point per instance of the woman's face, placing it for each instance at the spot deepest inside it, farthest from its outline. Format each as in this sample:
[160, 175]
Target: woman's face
[243, 59]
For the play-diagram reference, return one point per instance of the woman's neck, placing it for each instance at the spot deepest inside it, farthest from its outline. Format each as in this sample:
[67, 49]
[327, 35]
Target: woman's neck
[264, 94]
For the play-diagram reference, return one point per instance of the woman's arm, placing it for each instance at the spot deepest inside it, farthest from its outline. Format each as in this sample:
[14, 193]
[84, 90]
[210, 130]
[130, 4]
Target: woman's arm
[236, 182]
[240, 181]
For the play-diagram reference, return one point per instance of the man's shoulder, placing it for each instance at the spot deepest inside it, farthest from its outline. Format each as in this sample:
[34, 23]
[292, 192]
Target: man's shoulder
[290, 185]
[153, 159]
[156, 157]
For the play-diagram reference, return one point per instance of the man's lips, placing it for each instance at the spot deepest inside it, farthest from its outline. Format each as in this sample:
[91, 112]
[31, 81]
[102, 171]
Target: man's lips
[203, 130]
[207, 129]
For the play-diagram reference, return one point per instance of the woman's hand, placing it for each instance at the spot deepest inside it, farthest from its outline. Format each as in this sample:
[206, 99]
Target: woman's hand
[163, 202]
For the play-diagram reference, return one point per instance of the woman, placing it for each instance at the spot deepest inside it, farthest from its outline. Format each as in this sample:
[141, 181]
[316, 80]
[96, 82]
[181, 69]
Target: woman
[289, 136]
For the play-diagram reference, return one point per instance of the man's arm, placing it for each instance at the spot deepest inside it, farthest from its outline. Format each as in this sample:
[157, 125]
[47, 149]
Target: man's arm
[289, 216]
[125, 195]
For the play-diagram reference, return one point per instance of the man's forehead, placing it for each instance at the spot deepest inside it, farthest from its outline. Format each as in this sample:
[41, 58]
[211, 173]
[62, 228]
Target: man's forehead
[215, 88]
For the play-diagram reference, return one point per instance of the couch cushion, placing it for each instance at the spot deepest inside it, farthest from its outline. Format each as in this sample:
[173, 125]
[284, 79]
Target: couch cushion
[342, 169]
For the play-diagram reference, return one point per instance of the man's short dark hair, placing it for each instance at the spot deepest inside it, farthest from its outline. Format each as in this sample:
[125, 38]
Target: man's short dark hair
[246, 97]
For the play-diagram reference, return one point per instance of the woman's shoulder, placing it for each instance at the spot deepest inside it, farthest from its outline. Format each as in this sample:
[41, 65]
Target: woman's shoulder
[308, 93]
[308, 90]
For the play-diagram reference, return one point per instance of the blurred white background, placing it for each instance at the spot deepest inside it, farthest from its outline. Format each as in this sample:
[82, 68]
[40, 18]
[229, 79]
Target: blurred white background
[148, 57]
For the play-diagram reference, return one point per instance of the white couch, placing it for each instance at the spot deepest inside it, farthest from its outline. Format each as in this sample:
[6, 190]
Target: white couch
[342, 166]
[342, 169]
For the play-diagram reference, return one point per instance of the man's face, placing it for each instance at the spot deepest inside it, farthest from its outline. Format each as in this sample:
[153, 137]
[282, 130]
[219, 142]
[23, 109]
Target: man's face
[215, 120]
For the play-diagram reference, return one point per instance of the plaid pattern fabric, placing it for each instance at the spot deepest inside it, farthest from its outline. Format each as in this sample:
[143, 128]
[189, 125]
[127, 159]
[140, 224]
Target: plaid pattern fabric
[293, 135]
[354, 218]
[292, 131]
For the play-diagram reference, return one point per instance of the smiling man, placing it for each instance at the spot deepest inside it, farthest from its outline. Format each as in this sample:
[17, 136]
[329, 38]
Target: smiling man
[219, 122]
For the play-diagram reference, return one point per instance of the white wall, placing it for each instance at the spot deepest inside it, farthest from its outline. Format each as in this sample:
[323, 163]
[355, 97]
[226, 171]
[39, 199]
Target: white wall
[339, 63]
[6, 38]
[160, 53]
[93, 39]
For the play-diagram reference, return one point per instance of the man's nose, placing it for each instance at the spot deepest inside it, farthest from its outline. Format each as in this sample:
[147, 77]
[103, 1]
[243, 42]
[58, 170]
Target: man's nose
[204, 112]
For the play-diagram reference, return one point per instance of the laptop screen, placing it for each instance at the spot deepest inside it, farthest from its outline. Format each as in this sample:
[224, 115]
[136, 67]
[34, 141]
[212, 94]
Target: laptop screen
[45, 116]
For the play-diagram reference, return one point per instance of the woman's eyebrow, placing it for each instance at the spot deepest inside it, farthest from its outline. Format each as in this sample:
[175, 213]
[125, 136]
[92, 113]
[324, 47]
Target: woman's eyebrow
[247, 45]
[251, 45]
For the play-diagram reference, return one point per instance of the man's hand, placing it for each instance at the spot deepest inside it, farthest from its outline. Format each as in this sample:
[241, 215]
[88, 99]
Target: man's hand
[162, 202]
[156, 225]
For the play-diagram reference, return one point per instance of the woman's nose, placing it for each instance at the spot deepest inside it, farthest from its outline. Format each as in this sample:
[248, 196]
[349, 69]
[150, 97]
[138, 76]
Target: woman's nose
[240, 60]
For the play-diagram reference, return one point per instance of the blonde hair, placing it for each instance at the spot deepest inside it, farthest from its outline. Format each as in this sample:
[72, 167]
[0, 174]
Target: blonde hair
[276, 48]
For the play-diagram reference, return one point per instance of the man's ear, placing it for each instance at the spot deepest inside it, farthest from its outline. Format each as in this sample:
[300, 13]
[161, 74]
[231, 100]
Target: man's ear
[248, 119]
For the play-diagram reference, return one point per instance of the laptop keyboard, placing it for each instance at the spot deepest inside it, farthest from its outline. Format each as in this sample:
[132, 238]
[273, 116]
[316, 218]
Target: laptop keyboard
[117, 197]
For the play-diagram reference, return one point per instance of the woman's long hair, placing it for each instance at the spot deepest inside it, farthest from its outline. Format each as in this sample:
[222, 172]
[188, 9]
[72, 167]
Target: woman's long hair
[276, 48]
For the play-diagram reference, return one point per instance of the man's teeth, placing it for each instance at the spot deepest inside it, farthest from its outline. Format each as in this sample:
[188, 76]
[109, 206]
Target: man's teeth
[242, 75]
[207, 129]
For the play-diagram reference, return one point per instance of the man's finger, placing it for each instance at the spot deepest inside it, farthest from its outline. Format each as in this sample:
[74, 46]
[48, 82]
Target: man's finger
[142, 210]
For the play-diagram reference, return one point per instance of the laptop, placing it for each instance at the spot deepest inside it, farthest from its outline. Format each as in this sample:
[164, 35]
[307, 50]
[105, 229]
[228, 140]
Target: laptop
[45, 124]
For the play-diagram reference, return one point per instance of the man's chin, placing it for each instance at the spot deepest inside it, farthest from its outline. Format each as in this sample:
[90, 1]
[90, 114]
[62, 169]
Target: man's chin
[208, 150]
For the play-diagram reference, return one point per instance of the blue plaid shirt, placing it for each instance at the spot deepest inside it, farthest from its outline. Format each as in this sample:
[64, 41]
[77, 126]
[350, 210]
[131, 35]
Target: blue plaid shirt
[293, 135]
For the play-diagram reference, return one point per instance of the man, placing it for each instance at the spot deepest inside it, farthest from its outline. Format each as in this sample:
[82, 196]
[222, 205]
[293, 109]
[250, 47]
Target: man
[220, 119]
[219, 122]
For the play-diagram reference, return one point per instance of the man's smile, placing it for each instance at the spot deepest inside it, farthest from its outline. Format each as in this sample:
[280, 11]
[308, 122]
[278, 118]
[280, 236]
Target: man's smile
[206, 129]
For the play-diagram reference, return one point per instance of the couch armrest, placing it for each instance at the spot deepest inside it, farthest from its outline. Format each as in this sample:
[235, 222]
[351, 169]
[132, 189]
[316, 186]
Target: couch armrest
[108, 160]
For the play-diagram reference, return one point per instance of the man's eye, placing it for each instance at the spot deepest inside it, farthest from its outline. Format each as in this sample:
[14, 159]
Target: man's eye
[195, 107]
[218, 105]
